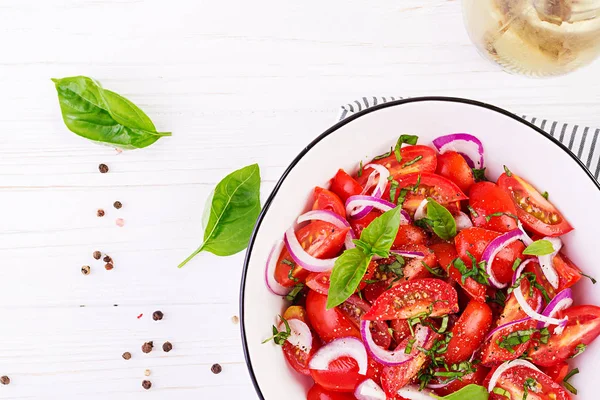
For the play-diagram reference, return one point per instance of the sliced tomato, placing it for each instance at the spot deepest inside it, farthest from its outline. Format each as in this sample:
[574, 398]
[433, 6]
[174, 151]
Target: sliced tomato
[568, 274]
[297, 358]
[409, 234]
[320, 281]
[536, 213]
[431, 185]
[446, 253]
[319, 393]
[400, 329]
[541, 387]
[327, 200]
[426, 163]
[468, 332]
[488, 199]
[344, 185]
[475, 240]
[329, 324]
[474, 378]
[491, 352]
[359, 224]
[414, 297]
[557, 372]
[319, 239]
[354, 308]
[340, 376]
[453, 166]
[582, 328]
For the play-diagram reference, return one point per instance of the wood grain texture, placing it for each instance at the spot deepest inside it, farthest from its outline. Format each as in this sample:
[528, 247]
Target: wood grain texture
[236, 82]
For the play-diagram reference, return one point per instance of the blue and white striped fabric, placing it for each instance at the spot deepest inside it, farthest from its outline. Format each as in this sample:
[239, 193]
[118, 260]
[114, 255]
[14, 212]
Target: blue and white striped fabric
[580, 140]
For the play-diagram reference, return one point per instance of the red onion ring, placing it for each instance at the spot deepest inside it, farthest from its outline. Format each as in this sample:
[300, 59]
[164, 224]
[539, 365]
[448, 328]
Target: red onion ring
[525, 237]
[334, 219]
[466, 145]
[562, 301]
[369, 390]
[344, 347]
[383, 205]
[274, 286]
[511, 323]
[420, 211]
[505, 367]
[409, 254]
[362, 210]
[547, 262]
[300, 335]
[397, 356]
[302, 258]
[440, 385]
[493, 248]
[519, 270]
[535, 315]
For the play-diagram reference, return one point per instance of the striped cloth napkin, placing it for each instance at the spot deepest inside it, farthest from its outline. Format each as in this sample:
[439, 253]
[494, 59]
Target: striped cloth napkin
[580, 140]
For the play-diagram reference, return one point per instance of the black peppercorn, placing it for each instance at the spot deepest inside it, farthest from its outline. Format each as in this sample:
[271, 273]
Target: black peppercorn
[157, 315]
[167, 347]
[97, 255]
[103, 168]
[85, 270]
[216, 369]
[100, 213]
[5, 380]
[146, 384]
[127, 355]
[107, 259]
[147, 347]
[117, 204]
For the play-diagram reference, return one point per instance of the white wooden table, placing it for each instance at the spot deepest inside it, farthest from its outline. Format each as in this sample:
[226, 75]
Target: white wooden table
[237, 82]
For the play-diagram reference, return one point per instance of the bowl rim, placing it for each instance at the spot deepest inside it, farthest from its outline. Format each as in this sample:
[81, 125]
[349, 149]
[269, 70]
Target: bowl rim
[334, 128]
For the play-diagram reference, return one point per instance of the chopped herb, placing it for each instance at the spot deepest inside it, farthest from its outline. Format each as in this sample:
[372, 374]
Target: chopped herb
[533, 283]
[439, 272]
[528, 385]
[409, 345]
[544, 335]
[411, 162]
[499, 391]
[545, 195]
[512, 340]
[369, 281]
[566, 383]
[508, 173]
[539, 248]
[589, 277]
[291, 296]
[393, 188]
[473, 212]
[499, 298]
[516, 264]
[360, 169]
[280, 337]
[580, 349]
[404, 191]
[408, 139]
[384, 155]
[476, 272]
[479, 174]
[291, 271]
[499, 214]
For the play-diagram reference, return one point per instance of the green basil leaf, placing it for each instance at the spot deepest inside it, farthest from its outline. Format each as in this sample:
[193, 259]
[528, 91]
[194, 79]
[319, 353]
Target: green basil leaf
[381, 232]
[469, 392]
[346, 275]
[103, 116]
[442, 222]
[234, 208]
[539, 248]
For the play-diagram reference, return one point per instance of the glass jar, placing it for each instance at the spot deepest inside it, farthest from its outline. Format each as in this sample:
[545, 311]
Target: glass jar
[535, 37]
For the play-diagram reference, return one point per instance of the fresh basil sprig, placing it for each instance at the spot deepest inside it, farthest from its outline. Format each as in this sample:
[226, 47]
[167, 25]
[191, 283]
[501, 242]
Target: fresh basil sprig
[103, 116]
[440, 220]
[230, 213]
[350, 267]
[539, 248]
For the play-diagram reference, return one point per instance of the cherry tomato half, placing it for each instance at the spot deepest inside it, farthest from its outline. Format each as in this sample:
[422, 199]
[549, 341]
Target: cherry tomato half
[540, 386]
[344, 185]
[487, 199]
[298, 358]
[329, 324]
[318, 393]
[453, 166]
[327, 200]
[468, 332]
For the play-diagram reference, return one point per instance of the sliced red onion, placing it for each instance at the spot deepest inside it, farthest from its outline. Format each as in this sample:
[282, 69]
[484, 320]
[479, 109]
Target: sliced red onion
[420, 211]
[462, 221]
[300, 335]
[332, 218]
[466, 145]
[360, 205]
[519, 270]
[511, 323]
[505, 367]
[525, 238]
[381, 182]
[302, 258]
[561, 301]
[493, 248]
[409, 254]
[274, 286]
[369, 390]
[412, 392]
[533, 314]
[547, 262]
[440, 385]
[397, 356]
[344, 347]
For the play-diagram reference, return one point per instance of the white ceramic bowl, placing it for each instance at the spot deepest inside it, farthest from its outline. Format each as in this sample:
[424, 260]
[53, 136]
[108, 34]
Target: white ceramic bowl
[507, 139]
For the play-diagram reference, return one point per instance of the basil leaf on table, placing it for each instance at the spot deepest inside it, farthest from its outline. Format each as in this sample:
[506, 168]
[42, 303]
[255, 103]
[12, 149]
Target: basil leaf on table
[469, 392]
[230, 218]
[441, 220]
[539, 248]
[104, 116]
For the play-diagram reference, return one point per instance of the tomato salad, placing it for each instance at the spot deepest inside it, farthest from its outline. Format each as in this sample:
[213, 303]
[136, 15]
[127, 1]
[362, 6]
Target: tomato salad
[416, 277]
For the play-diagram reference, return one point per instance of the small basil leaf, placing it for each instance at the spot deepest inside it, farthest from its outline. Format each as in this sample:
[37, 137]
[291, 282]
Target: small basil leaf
[382, 231]
[234, 208]
[469, 392]
[346, 275]
[442, 222]
[539, 248]
[103, 116]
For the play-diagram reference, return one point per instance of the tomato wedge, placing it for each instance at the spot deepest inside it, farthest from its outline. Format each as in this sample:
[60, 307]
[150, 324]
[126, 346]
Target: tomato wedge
[415, 297]
[488, 199]
[426, 163]
[540, 386]
[568, 274]
[354, 308]
[297, 358]
[327, 200]
[453, 166]
[582, 329]
[340, 376]
[329, 324]
[319, 239]
[536, 213]
[319, 393]
[431, 185]
[475, 240]
[557, 372]
[468, 332]
[344, 185]
[491, 352]
[446, 253]
[409, 235]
